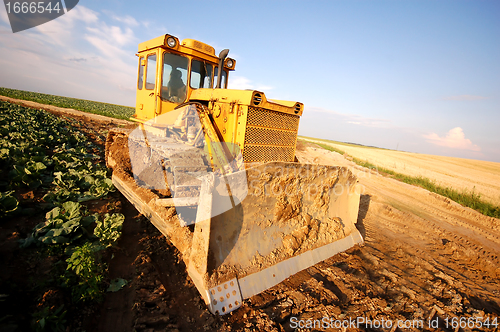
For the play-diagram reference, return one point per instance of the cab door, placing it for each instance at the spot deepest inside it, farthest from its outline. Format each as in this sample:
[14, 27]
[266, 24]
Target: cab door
[146, 103]
[174, 88]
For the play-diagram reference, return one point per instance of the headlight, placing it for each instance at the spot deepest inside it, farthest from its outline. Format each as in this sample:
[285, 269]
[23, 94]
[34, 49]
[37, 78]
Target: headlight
[229, 63]
[171, 42]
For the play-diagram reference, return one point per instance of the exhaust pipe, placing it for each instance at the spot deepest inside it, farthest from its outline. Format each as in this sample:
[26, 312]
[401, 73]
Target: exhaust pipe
[222, 57]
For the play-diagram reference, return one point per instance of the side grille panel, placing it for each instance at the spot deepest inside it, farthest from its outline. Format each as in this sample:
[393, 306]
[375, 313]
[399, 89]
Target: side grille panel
[270, 136]
[266, 136]
[253, 153]
[272, 119]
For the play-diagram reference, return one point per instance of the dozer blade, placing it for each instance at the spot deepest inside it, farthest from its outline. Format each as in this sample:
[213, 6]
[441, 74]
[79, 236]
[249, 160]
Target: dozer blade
[292, 217]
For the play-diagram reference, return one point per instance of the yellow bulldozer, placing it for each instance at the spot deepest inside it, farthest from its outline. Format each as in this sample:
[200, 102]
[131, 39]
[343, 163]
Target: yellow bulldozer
[215, 171]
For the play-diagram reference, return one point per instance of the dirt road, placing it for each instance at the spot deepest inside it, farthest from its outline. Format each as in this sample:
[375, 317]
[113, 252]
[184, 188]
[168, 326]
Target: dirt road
[478, 176]
[425, 260]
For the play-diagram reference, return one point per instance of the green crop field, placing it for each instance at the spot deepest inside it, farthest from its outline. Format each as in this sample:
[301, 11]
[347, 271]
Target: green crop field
[51, 174]
[342, 143]
[115, 111]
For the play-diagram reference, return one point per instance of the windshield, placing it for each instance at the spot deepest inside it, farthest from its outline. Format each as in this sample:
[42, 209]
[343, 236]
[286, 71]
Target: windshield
[223, 84]
[175, 72]
[201, 75]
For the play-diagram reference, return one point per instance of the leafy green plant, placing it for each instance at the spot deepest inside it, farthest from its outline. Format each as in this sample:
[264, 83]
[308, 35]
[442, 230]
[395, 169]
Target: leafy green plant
[63, 225]
[116, 284]
[86, 265]
[42, 151]
[110, 229]
[29, 174]
[39, 149]
[80, 185]
[50, 320]
[8, 204]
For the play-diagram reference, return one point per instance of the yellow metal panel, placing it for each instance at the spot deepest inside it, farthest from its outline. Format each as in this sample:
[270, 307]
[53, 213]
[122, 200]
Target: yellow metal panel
[223, 95]
[199, 46]
[247, 97]
[286, 103]
[146, 98]
[198, 54]
[152, 43]
[270, 135]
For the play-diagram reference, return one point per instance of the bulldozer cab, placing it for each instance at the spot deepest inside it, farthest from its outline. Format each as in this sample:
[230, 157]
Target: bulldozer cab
[169, 71]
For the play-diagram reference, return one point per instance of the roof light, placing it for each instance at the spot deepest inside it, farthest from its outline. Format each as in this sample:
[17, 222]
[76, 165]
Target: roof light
[171, 42]
[230, 63]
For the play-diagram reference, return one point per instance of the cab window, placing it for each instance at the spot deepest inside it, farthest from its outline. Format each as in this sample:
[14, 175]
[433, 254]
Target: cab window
[141, 73]
[175, 74]
[151, 72]
[223, 84]
[201, 75]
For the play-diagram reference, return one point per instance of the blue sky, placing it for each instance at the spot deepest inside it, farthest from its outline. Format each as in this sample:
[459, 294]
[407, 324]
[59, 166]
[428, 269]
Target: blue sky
[419, 76]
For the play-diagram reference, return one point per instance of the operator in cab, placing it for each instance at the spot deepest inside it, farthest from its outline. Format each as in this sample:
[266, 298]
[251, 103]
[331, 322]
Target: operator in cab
[176, 89]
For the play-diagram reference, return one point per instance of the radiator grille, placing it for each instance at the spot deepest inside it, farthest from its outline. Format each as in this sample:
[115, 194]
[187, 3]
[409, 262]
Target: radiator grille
[257, 135]
[270, 135]
[272, 119]
[253, 153]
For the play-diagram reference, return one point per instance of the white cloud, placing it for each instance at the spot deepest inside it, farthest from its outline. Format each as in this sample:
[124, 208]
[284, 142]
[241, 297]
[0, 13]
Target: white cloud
[86, 15]
[455, 139]
[465, 97]
[353, 118]
[239, 83]
[62, 31]
[112, 34]
[77, 55]
[264, 88]
[243, 83]
[4, 17]
[128, 20]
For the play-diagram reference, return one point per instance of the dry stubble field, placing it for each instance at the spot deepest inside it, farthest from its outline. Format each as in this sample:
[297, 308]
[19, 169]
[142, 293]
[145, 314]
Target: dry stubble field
[482, 177]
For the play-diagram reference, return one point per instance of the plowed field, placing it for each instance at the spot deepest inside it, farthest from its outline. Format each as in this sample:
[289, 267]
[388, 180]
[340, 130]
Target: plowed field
[427, 264]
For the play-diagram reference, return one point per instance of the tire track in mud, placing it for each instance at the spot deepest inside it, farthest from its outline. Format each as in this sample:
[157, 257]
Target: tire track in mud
[441, 234]
[456, 252]
[381, 280]
[439, 267]
[464, 225]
